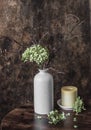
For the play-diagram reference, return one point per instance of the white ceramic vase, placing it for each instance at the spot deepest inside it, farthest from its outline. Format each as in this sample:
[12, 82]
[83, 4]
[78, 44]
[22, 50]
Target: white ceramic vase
[43, 92]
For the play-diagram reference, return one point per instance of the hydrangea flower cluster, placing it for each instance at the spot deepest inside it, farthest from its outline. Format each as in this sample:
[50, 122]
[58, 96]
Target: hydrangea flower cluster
[36, 53]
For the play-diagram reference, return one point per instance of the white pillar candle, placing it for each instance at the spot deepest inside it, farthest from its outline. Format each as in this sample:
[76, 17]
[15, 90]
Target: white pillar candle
[68, 96]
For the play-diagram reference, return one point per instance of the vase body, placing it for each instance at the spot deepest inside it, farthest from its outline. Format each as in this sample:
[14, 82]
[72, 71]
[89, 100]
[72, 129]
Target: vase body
[43, 92]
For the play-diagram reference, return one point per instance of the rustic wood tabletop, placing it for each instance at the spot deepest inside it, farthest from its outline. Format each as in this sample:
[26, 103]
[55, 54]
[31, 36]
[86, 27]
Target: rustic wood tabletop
[24, 118]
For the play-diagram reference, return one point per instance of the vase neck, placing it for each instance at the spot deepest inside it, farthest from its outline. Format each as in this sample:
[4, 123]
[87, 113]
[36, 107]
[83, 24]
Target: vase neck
[43, 70]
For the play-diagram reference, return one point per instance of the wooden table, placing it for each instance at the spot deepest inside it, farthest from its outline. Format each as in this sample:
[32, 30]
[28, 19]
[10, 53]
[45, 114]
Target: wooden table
[23, 118]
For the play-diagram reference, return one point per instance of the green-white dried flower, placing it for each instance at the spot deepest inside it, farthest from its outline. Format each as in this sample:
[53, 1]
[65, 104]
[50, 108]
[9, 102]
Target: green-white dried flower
[78, 105]
[36, 53]
[55, 117]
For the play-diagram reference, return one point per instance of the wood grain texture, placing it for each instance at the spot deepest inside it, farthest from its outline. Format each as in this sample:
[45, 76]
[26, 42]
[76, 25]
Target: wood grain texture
[23, 118]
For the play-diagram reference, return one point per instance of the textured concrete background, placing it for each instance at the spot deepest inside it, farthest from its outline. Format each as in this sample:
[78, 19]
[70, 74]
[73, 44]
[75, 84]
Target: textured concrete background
[67, 24]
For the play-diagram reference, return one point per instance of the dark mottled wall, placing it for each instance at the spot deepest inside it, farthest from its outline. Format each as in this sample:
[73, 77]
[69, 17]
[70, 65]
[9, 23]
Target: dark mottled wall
[66, 24]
